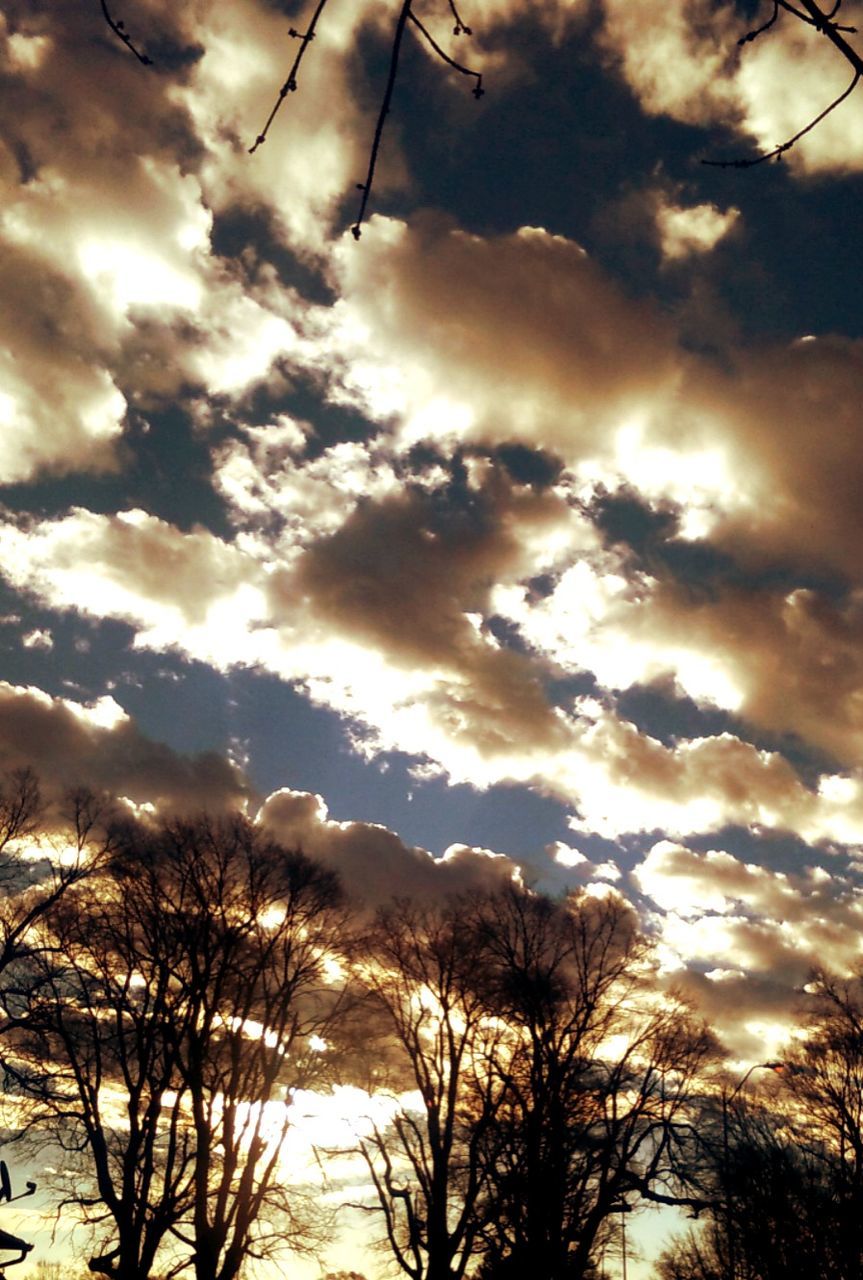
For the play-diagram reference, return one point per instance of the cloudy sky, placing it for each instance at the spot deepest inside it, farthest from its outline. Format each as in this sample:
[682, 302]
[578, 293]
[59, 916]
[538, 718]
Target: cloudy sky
[523, 530]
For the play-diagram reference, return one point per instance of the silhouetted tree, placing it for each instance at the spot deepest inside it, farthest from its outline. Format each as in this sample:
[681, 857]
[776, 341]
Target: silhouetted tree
[775, 1216]
[598, 1092]
[164, 1023]
[420, 966]
[823, 1085]
[553, 1081]
[788, 1167]
[79, 837]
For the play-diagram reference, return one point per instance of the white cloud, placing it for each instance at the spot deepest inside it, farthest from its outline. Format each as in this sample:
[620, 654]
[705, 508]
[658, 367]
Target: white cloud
[39, 638]
[566, 856]
[684, 231]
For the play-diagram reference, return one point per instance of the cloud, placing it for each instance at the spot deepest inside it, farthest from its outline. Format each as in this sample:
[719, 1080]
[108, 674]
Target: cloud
[272, 490]
[676, 58]
[761, 930]
[786, 661]
[378, 619]
[797, 407]
[99, 746]
[316, 148]
[625, 780]
[755, 460]
[39, 638]
[754, 451]
[111, 176]
[387, 620]
[188, 591]
[693, 229]
[438, 301]
[574, 860]
[374, 863]
[437, 607]
[791, 659]
[567, 856]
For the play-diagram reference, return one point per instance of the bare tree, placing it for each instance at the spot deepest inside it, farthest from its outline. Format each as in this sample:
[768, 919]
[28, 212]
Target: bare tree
[20, 809]
[824, 1086]
[788, 1165]
[31, 885]
[776, 1215]
[599, 1092]
[93, 1050]
[426, 1168]
[163, 1026]
[259, 926]
[553, 1080]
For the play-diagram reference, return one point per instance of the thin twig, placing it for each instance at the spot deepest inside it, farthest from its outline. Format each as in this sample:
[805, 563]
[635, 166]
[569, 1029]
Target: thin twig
[790, 8]
[119, 29]
[759, 31]
[815, 18]
[779, 151]
[291, 83]
[366, 187]
[460, 29]
[478, 90]
[833, 31]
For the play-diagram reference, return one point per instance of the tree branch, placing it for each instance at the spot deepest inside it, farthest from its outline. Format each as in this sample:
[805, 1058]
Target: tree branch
[759, 31]
[119, 29]
[366, 187]
[478, 90]
[291, 83]
[779, 151]
[459, 29]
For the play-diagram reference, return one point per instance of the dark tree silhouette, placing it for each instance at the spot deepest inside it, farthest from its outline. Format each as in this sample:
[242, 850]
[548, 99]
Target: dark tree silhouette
[20, 811]
[598, 1092]
[788, 1165]
[776, 1215]
[162, 1024]
[823, 1084]
[28, 889]
[419, 964]
[553, 1082]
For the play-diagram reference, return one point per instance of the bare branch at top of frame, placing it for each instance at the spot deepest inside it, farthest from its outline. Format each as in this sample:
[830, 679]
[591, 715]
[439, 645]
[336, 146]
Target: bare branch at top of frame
[119, 29]
[459, 29]
[406, 13]
[290, 84]
[765, 26]
[778, 152]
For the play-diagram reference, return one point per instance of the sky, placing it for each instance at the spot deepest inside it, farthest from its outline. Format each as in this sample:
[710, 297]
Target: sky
[519, 535]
